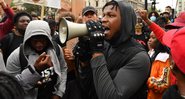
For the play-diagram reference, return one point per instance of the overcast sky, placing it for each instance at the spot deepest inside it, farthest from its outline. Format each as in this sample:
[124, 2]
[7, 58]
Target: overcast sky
[163, 3]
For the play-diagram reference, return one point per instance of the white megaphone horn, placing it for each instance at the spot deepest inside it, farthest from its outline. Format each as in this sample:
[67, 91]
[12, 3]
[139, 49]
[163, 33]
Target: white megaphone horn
[69, 30]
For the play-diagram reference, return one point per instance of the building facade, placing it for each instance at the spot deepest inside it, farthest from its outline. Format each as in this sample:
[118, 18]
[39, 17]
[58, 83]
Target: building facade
[76, 6]
[180, 6]
[98, 4]
[137, 4]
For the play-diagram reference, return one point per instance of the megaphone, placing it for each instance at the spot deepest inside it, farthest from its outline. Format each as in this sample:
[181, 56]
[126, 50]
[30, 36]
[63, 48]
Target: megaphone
[69, 30]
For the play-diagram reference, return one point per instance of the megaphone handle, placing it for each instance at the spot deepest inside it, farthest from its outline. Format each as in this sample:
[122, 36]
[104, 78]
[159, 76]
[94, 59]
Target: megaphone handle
[77, 64]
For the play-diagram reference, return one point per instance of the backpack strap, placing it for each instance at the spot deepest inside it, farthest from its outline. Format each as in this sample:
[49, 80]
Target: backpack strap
[10, 39]
[57, 48]
[22, 58]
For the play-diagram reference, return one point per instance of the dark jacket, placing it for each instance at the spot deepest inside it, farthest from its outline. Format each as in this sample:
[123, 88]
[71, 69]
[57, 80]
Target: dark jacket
[29, 77]
[118, 79]
[172, 93]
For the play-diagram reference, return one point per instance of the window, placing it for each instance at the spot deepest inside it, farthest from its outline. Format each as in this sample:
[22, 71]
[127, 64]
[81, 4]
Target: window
[96, 3]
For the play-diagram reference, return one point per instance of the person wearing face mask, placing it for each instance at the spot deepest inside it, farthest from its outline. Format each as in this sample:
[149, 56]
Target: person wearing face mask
[153, 16]
[174, 39]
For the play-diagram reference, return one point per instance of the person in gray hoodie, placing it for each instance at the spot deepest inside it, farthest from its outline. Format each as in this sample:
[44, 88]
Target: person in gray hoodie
[2, 65]
[45, 75]
[120, 65]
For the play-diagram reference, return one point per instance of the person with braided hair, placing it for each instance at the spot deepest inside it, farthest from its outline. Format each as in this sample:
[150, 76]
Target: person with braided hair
[10, 87]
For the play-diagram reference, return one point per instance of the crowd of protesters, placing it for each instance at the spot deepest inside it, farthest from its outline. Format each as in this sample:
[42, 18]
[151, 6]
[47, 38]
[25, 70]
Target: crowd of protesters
[135, 55]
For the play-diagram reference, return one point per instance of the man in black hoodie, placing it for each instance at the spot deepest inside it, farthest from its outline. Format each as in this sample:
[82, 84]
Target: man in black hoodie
[120, 66]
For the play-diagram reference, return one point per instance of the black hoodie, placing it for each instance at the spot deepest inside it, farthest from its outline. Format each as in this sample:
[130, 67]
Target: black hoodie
[126, 80]
[128, 21]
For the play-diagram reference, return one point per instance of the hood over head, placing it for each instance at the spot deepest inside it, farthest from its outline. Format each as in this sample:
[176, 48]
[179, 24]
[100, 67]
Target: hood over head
[128, 21]
[37, 27]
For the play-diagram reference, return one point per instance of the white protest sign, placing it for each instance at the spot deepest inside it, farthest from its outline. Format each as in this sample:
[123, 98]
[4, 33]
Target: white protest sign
[48, 3]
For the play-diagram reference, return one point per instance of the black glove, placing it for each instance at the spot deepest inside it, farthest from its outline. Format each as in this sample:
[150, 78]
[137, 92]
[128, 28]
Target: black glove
[96, 34]
[82, 49]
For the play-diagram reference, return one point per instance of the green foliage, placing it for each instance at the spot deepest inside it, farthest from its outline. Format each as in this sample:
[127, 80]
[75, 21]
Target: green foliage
[12, 4]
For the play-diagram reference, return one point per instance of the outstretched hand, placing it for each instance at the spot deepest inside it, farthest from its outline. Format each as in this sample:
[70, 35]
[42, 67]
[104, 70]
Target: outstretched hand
[43, 62]
[143, 14]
